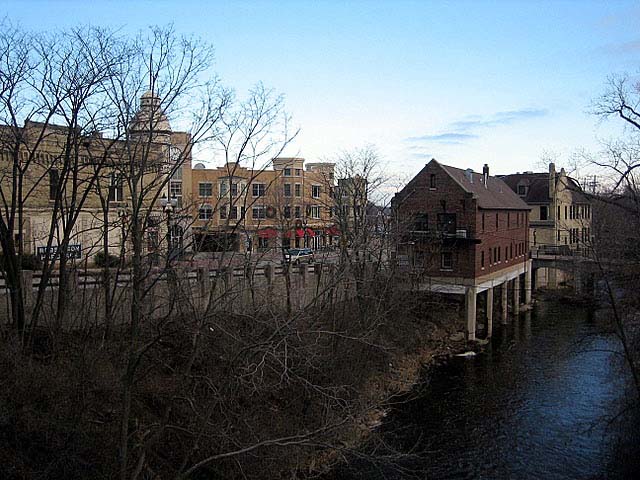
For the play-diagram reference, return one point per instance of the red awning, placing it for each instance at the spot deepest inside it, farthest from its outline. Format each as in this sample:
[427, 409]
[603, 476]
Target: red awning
[310, 232]
[333, 231]
[268, 233]
[299, 232]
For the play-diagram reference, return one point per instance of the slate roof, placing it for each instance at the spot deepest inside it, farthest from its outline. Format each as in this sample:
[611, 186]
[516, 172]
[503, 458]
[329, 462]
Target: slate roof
[537, 183]
[496, 195]
[538, 187]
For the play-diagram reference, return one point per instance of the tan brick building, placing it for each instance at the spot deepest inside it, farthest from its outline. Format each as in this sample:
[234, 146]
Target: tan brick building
[63, 169]
[238, 209]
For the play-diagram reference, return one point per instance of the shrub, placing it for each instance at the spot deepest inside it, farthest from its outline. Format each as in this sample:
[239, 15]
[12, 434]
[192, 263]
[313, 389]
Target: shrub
[106, 260]
[29, 262]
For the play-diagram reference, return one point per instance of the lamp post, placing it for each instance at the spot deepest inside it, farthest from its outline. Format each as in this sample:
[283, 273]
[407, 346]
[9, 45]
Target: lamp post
[123, 215]
[168, 206]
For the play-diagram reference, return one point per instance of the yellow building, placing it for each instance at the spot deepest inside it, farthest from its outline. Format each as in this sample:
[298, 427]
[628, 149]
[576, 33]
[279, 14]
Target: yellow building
[80, 186]
[240, 209]
[560, 218]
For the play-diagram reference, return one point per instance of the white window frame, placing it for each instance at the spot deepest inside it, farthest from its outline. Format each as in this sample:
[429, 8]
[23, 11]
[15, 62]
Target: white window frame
[205, 186]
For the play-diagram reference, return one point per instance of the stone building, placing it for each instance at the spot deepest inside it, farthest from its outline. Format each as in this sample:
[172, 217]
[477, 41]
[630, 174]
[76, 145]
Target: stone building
[465, 233]
[560, 219]
[64, 168]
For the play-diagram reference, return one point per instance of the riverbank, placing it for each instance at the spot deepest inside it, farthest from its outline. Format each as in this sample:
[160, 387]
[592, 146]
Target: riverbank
[540, 402]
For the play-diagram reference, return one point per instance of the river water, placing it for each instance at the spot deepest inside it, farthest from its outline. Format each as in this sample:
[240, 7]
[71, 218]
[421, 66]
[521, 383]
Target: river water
[537, 404]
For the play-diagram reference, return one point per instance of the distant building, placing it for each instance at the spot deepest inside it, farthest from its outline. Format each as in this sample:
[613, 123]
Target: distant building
[466, 232]
[560, 212]
[235, 208]
[560, 220]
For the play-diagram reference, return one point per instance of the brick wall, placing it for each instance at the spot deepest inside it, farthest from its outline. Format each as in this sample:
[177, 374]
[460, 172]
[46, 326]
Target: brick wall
[433, 192]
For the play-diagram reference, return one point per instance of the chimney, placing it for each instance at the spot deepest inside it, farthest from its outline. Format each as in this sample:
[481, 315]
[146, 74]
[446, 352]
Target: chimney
[485, 175]
[552, 179]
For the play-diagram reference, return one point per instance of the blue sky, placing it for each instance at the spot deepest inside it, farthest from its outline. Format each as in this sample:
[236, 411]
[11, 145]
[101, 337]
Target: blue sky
[498, 82]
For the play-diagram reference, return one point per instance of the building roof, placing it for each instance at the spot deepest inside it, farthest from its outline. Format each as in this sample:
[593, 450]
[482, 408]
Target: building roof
[538, 186]
[495, 195]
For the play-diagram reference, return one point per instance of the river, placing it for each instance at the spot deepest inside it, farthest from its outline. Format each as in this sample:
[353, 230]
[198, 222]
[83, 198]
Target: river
[537, 404]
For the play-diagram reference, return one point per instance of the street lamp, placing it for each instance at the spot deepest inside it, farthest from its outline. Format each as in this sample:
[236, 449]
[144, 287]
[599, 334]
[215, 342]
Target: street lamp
[168, 206]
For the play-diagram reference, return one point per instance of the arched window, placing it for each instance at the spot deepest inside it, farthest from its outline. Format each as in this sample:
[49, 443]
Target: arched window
[205, 212]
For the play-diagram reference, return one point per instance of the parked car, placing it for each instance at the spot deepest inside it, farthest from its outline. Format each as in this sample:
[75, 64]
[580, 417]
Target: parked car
[298, 255]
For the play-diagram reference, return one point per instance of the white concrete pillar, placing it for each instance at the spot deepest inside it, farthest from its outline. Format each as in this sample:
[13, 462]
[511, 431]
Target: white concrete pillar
[505, 301]
[516, 295]
[470, 311]
[527, 286]
[489, 312]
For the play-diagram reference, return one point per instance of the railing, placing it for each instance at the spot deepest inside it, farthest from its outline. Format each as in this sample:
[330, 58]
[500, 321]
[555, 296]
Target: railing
[94, 277]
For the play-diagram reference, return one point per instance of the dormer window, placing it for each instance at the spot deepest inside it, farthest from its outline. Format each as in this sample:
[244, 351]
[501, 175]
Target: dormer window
[522, 190]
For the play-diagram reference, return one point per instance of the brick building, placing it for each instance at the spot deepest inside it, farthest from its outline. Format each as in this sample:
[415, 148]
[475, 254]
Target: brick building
[235, 208]
[466, 232]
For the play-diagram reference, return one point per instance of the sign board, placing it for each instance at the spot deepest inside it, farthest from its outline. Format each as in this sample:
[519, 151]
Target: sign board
[74, 251]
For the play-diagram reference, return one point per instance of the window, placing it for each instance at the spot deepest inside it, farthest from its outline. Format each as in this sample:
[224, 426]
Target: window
[446, 261]
[490, 257]
[297, 211]
[483, 222]
[447, 223]
[205, 189]
[223, 212]
[233, 213]
[287, 189]
[544, 212]
[287, 172]
[499, 254]
[175, 191]
[286, 211]
[421, 222]
[116, 191]
[315, 211]
[205, 212]
[482, 259]
[558, 235]
[227, 187]
[315, 191]
[54, 180]
[259, 212]
[432, 181]
[497, 220]
[298, 190]
[558, 216]
[298, 172]
[258, 189]
[565, 212]
[522, 190]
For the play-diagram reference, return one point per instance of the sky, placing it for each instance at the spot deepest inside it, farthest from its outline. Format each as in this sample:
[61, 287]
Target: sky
[505, 83]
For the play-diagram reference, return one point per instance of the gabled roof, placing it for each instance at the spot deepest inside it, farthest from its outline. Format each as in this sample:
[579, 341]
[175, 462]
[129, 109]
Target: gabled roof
[495, 195]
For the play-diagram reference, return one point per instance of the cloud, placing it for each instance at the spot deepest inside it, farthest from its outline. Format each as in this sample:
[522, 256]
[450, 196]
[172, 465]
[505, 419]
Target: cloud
[625, 48]
[499, 118]
[452, 138]
[422, 155]
[463, 130]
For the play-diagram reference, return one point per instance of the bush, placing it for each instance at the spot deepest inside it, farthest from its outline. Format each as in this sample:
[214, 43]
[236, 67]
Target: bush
[29, 262]
[106, 260]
